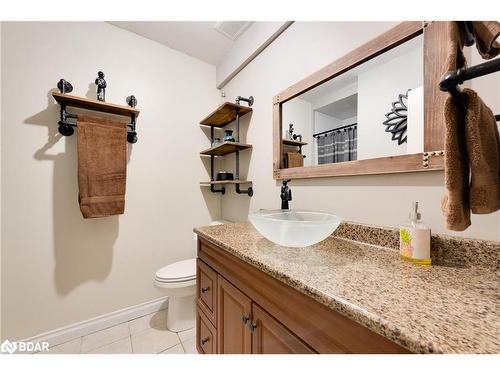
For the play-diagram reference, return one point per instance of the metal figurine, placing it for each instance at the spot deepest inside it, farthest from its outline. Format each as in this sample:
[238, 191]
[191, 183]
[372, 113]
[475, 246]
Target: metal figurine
[64, 86]
[290, 132]
[131, 101]
[101, 86]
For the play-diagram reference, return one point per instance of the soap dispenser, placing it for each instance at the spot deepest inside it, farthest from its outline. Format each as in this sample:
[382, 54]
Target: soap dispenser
[415, 239]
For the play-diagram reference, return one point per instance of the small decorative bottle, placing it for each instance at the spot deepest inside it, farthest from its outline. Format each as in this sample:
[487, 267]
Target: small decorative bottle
[415, 239]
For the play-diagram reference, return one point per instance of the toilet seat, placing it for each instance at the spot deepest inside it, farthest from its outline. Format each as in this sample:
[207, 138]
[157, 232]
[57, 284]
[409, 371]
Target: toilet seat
[178, 274]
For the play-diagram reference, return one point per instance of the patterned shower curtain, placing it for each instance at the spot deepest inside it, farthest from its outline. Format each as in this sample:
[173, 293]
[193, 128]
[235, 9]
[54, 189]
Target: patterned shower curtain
[338, 146]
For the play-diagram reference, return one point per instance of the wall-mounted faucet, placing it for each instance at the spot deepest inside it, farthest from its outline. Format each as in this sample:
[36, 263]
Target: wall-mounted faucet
[286, 195]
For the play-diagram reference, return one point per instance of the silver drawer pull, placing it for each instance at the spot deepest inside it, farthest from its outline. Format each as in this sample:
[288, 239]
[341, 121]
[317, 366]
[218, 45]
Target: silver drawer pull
[252, 326]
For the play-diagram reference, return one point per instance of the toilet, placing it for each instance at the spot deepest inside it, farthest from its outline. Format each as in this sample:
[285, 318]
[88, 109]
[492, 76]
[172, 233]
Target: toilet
[178, 280]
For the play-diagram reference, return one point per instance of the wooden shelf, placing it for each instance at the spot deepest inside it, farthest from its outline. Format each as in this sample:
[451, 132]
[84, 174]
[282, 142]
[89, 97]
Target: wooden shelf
[94, 105]
[225, 148]
[225, 182]
[225, 114]
[290, 142]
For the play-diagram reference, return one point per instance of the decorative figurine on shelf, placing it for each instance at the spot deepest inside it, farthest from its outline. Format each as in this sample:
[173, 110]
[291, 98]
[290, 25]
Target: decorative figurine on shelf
[64, 86]
[290, 132]
[131, 101]
[101, 86]
[228, 137]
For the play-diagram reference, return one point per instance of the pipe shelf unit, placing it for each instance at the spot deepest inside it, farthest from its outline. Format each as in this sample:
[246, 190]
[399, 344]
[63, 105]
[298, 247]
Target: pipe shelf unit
[289, 142]
[225, 148]
[224, 182]
[225, 114]
[65, 100]
[222, 116]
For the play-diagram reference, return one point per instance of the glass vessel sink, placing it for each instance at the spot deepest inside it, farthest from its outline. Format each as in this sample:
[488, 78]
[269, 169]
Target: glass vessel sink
[294, 228]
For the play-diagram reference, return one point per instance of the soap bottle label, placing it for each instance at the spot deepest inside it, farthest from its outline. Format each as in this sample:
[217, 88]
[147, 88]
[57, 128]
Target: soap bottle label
[414, 244]
[405, 245]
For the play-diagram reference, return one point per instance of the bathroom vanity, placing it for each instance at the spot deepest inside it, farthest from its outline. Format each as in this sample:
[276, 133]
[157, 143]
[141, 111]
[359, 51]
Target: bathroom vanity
[233, 299]
[339, 296]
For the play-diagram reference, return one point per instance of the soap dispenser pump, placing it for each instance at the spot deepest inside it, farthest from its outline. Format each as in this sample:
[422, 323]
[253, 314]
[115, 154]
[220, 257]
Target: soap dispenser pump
[415, 239]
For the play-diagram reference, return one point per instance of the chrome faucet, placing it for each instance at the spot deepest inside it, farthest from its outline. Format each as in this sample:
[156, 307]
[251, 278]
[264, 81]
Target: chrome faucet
[286, 195]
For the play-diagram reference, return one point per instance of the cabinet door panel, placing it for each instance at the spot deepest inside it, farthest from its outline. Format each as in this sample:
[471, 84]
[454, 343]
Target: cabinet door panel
[233, 312]
[271, 337]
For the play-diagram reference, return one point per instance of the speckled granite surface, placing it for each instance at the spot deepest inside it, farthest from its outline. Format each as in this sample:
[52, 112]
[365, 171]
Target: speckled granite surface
[427, 309]
[445, 250]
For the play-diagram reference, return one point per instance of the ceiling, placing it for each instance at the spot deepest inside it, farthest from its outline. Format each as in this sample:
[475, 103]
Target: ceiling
[197, 39]
[342, 109]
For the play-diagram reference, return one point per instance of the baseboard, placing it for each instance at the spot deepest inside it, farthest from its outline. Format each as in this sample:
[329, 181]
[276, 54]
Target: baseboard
[73, 331]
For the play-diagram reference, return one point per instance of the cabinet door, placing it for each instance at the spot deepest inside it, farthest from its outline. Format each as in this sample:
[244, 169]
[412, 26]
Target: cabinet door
[233, 314]
[271, 337]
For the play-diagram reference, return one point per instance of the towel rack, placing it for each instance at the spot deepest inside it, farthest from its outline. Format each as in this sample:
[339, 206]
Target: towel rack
[65, 100]
[451, 80]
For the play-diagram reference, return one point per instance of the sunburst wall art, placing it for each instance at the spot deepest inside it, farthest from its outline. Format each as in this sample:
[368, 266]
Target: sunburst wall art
[397, 119]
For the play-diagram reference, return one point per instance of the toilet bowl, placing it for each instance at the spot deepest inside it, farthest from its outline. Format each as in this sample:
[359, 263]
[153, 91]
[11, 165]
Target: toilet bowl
[178, 280]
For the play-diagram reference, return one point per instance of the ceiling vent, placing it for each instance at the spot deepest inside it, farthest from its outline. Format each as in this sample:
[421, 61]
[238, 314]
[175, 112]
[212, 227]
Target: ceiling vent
[232, 29]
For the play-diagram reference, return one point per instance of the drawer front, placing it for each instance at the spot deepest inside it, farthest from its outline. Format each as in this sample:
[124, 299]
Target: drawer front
[206, 335]
[206, 294]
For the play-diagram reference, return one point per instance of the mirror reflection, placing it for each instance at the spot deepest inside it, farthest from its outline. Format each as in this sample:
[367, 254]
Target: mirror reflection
[373, 110]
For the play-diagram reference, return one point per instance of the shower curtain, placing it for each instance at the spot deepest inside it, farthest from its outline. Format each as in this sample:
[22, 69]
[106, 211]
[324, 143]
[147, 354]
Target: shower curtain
[338, 146]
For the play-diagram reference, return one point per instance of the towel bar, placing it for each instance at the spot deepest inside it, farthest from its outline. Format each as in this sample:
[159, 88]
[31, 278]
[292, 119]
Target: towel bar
[452, 80]
[66, 127]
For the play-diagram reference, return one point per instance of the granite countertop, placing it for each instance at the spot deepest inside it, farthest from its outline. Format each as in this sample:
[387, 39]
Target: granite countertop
[427, 309]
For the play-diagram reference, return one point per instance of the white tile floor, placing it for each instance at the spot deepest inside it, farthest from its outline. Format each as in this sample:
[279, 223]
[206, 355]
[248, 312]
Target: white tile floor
[145, 335]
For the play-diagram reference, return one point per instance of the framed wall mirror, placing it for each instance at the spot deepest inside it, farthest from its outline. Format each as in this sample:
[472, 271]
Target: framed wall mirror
[364, 113]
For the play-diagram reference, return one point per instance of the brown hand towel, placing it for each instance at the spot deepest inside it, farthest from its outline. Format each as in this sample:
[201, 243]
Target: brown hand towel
[455, 203]
[486, 34]
[295, 159]
[102, 166]
[483, 148]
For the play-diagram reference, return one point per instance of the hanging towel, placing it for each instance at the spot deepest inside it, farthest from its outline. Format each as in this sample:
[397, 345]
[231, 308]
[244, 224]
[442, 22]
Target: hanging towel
[486, 34]
[483, 148]
[455, 203]
[102, 166]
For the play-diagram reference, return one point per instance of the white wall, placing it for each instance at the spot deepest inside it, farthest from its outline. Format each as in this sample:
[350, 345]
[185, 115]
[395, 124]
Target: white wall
[380, 200]
[324, 122]
[486, 86]
[378, 87]
[58, 268]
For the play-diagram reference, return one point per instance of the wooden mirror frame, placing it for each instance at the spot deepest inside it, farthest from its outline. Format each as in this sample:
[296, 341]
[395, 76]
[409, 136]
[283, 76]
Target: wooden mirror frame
[432, 157]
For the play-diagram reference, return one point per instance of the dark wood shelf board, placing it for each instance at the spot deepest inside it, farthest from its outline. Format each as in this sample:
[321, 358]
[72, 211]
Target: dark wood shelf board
[290, 142]
[225, 148]
[225, 114]
[94, 105]
[225, 182]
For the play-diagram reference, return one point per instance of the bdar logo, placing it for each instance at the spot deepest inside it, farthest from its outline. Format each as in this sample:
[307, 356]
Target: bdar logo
[8, 347]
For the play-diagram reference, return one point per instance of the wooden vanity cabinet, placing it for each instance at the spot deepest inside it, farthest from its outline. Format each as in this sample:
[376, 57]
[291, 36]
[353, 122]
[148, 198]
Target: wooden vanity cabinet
[258, 314]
